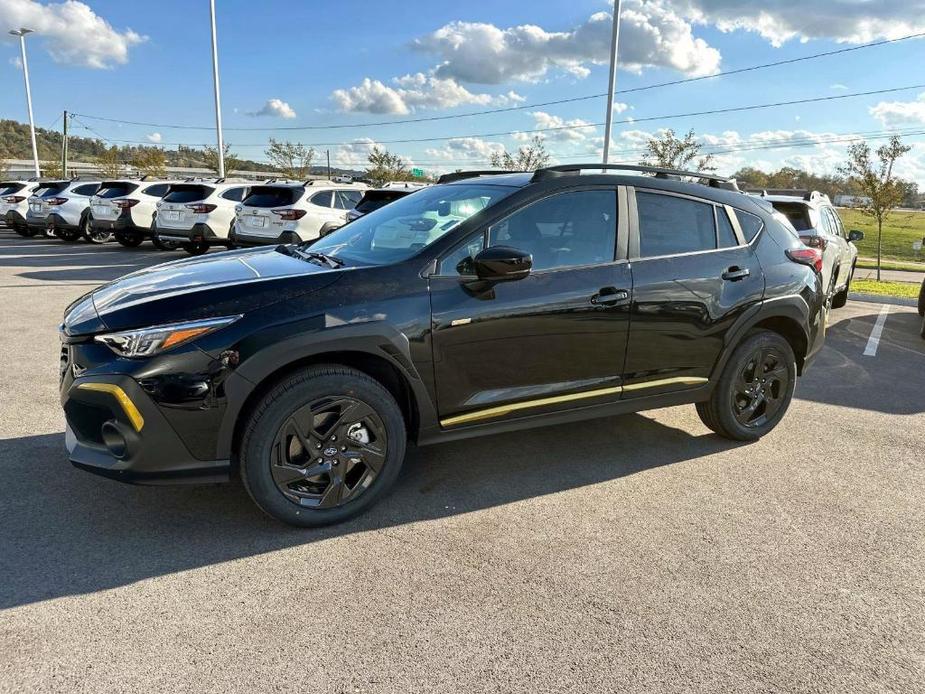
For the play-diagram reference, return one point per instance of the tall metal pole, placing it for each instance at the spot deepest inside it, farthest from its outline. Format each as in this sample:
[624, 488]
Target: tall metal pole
[613, 79]
[64, 149]
[329, 163]
[218, 95]
[21, 33]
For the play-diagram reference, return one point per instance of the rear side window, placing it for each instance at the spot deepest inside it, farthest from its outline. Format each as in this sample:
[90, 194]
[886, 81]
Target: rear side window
[236, 194]
[156, 191]
[86, 189]
[751, 224]
[116, 190]
[669, 225]
[187, 193]
[268, 196]
[322, 199]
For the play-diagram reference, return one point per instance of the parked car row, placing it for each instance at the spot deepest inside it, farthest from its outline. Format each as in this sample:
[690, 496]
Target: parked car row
[192, 214]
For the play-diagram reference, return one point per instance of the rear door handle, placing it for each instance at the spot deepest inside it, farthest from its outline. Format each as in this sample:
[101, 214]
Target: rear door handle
[736, 273]
[610, 296]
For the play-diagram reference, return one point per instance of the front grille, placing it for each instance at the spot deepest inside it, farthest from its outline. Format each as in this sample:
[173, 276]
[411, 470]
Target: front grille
[65, 360]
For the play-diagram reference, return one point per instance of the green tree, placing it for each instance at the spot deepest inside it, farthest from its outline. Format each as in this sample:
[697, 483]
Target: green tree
[671, 152]
[529, 157]
[873, 173]
[151, 161]
[210, 155]
[292, 158]
[51, 169]
[384, 166]
[110, 162]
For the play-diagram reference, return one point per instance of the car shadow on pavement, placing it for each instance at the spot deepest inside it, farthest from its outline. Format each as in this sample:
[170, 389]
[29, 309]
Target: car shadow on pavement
[890, 382]
[66, 532]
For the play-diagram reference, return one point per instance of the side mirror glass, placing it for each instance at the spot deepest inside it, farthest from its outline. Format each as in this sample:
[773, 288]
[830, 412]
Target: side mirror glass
[855, 235]
[502, 264]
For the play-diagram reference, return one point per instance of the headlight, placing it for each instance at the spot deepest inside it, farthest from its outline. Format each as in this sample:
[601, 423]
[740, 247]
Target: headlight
[145, 342]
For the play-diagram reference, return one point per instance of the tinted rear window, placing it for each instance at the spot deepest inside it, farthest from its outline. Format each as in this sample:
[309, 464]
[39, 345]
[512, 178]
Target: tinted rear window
[10, 188]
[269, 196]
[375, 199]
[47, 189]
[156, 190]
[797, 214]
[116, 190]
[86, 189]
[187, 193]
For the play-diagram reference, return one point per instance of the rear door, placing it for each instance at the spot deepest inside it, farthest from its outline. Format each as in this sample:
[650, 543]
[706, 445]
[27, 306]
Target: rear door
[693, 276]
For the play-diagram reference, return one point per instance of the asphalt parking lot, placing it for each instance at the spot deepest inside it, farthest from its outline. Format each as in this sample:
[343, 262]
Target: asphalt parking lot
[637, 553]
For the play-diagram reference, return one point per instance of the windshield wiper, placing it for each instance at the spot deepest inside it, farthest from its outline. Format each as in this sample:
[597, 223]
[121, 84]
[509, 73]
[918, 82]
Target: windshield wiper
[311, 256]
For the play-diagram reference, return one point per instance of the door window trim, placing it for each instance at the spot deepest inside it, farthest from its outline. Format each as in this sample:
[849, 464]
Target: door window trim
[619, 249]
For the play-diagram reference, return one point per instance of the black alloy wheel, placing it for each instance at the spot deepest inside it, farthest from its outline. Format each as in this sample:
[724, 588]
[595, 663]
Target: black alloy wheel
[328, 452]
[755, 389]
[322, 445]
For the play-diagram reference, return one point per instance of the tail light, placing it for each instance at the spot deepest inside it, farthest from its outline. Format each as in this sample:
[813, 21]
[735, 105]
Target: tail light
[55, 201]
[201, 208]
[814, 241]
[806, 256]
[125, 203]
[289, 214]
[13, 199]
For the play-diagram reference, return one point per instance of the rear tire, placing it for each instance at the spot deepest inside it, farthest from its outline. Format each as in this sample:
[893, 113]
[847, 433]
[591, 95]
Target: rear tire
[922, 299]
[755, 389]
[319, 411]
[129, 239]
[195, 248]
[22, 231]
[841, 298]
[96, 236]
[68, 235]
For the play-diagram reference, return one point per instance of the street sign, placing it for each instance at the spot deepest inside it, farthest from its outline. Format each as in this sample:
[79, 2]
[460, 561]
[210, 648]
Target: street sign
[417, 173]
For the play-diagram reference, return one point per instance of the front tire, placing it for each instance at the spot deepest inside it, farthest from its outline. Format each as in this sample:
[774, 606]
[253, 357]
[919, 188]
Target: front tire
[841, 298]
[755, 389]
[129, 239]
[322, 446]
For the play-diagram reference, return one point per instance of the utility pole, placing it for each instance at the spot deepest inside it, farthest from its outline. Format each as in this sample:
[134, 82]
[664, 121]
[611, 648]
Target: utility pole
[329, 163]
[218, 94]
[64, 148]
[611, 91]
[21, 33]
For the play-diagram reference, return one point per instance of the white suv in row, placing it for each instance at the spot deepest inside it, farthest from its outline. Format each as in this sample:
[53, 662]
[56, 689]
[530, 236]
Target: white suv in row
[62, 207]
[197, 215]
[14, 204]
[293, 212]
[125, 209]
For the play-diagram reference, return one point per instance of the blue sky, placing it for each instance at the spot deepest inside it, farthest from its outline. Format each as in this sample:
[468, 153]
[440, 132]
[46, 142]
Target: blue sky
[351, 63]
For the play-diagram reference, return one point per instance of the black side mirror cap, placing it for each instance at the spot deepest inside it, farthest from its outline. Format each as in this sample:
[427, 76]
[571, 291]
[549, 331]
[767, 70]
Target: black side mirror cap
[502, 264]
[855, 235]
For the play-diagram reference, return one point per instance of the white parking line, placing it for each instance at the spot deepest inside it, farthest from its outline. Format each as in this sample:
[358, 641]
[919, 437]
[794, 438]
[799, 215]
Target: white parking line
[874, 340]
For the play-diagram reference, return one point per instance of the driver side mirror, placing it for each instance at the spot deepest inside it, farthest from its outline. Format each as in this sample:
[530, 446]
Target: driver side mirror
[855, 235]
[502, 264]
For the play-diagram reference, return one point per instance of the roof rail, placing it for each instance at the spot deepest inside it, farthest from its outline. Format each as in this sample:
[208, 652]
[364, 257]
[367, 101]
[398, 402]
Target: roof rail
[463, 175]
[710, 179]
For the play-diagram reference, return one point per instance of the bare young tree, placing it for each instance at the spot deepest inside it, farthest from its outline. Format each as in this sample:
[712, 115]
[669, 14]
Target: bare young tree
[151, 161]
[873, 173]
[109, 162]
[52, 169]
[210, 156]
[671, 152]
[530, 157]
[4, 169]
[385, 166]
[292, 158]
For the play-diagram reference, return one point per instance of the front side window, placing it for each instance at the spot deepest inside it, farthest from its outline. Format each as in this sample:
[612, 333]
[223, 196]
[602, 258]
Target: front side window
[669, 225]
[398, 231]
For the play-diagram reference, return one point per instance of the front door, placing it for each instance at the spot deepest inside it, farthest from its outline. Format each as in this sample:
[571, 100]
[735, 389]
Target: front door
[693, 276]
[553, 340]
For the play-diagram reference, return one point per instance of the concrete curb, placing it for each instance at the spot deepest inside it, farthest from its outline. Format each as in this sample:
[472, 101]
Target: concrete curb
[878, 299]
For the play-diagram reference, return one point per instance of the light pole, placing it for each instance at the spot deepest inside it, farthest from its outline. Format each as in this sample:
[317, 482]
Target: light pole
[21, 33]
[218, 94]
[611, 91]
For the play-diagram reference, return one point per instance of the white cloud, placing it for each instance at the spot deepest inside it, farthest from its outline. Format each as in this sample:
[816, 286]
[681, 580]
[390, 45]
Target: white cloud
[276, 108]
[652, 34]
[355, 155]
[154, 137]
[779, 21]
[893, 113]
[412, 92]
[466, 148]
[16, 62]
[560, 129]
[71, 32]
[839, 87]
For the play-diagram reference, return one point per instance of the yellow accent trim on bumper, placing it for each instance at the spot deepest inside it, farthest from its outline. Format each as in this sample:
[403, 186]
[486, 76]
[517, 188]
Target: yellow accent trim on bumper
[502, 410]
[134, 416]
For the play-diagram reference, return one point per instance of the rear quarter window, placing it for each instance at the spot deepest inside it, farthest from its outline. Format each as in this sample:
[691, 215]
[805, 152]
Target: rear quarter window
[751, 224]
[322, 199]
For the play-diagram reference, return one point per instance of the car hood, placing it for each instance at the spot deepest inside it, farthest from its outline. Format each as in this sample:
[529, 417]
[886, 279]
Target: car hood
[219, 284]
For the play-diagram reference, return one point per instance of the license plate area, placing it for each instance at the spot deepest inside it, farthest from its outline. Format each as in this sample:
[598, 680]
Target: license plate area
[171, 215]
[257, 222]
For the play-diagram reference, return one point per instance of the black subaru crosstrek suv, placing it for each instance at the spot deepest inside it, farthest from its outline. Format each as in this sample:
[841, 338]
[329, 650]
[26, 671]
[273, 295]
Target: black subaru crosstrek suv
[484, 304]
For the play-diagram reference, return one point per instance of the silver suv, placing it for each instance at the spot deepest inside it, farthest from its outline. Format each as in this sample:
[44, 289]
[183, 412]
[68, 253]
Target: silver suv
[814, 217]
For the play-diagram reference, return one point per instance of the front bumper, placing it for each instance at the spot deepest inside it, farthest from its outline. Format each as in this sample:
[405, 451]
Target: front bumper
[115, 429]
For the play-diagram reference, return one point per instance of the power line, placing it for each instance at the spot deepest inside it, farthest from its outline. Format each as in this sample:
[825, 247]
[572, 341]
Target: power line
[521, 107]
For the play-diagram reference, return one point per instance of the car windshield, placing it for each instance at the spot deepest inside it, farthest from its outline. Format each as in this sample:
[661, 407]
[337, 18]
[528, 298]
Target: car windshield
[398, 230]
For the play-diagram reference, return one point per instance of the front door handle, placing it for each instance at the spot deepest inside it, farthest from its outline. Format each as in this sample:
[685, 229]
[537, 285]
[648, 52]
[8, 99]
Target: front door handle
[736, 273]
[610, 296]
